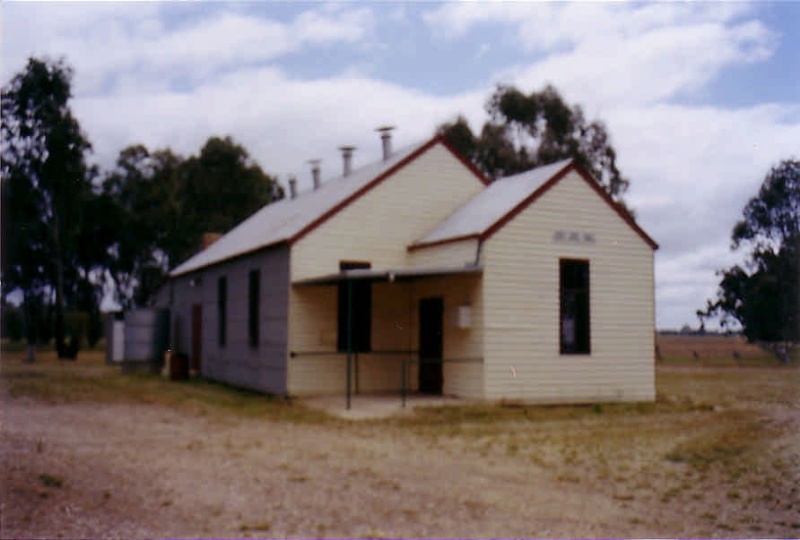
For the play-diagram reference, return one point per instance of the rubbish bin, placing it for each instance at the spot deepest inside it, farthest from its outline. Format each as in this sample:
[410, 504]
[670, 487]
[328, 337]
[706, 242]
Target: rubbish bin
[178, 367]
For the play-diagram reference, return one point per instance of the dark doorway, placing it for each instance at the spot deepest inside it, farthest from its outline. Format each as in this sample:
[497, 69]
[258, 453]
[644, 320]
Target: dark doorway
[197, 337]
[430, 345]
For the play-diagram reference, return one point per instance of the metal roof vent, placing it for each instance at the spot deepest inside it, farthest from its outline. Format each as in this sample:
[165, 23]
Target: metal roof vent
[347, 158]
[386, 138]
[292, 187]
[315, 171]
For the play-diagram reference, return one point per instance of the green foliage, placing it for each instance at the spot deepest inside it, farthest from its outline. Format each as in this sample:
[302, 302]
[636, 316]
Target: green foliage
[160, 204]
[764, 297]
[46, 184]
[529, 130]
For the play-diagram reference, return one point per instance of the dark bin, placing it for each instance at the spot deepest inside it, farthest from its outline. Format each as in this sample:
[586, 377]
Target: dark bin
[178, 367]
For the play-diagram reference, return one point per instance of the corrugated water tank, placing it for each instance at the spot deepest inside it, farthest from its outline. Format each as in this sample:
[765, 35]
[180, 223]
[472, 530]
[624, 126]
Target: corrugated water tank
[146, 335]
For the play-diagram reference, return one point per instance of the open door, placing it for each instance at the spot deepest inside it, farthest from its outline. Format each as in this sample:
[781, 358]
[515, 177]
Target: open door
[431, 377]
[197, 337]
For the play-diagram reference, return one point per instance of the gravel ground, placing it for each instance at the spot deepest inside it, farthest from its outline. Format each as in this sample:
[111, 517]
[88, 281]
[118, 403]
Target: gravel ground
[130, 471]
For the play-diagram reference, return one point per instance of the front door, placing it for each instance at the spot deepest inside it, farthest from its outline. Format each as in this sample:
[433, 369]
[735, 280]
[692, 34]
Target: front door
[197, 338]
[430, 345]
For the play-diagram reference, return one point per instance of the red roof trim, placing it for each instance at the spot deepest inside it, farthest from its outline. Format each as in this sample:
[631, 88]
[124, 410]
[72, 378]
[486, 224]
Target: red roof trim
[380, 178]
[423, 245]
[467, 163]
[572, 166]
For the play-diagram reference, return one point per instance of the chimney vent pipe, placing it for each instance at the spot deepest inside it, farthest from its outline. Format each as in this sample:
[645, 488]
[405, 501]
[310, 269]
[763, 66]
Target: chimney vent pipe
[315, 172]
[292, 187]
[347, 158]
[386, 138]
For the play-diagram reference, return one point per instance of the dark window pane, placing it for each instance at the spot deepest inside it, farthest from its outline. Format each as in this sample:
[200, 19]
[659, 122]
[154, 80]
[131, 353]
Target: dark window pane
[254, 304]
[574, 314]
[222, 301]
[361, 311]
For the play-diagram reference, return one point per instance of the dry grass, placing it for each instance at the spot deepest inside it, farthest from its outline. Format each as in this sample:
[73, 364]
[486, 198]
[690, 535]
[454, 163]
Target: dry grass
[713, 350]
[90, 380]
[715, 455]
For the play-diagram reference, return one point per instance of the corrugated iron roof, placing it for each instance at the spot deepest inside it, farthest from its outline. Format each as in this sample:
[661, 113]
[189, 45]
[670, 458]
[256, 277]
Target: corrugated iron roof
[492, 204]
[283, 220]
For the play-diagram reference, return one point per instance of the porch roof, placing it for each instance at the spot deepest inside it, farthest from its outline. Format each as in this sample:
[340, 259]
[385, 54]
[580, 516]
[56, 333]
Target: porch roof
[396, 274]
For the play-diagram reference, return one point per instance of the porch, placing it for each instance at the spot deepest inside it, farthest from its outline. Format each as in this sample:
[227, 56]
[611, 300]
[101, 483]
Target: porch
[363, 332]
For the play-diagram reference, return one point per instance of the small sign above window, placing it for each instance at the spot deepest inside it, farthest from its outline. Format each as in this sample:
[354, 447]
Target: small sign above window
[574, 237]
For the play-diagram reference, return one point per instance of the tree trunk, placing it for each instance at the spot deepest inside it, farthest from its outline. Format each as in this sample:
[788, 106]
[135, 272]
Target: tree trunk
[31, 322]
[59, 267]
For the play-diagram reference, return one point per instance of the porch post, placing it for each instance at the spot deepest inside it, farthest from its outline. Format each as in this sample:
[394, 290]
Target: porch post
[403, 378]
[349, 336]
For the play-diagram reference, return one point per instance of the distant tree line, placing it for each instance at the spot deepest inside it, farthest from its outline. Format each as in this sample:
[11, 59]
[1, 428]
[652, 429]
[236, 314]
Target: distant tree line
[73, 234]
[763, 295]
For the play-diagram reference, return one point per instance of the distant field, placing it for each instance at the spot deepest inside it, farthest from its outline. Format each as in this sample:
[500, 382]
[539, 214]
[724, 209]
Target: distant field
[711, 350]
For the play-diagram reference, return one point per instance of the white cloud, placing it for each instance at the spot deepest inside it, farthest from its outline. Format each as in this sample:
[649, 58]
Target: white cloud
[692, 167]
[107, 45]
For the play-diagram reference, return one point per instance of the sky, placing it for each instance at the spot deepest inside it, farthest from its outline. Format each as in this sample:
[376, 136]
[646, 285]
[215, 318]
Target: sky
[700, 99]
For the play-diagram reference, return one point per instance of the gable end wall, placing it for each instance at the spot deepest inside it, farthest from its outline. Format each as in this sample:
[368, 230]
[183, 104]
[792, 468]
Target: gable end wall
[521, 302]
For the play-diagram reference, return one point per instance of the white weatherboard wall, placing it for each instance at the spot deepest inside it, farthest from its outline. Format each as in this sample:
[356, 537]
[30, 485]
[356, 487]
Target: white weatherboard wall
[375, 228]
[452, 254]
[521, 303]
[378, 226]
[462, 348]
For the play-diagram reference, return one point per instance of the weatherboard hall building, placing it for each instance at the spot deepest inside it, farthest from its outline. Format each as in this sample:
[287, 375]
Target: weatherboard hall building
[416, 273]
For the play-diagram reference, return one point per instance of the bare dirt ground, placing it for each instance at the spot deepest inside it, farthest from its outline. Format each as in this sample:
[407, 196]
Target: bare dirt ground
[724, 463]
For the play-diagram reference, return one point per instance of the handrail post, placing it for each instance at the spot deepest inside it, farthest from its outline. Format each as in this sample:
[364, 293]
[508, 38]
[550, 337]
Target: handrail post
[403, 378]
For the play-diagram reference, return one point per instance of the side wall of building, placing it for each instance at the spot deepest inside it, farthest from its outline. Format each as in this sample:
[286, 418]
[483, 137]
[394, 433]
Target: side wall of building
[522, 302]
[237, 362]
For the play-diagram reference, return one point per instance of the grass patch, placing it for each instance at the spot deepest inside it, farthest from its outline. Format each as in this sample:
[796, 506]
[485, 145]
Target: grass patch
[91, 380]
[735, 442]
[51, 481]
[256, 527]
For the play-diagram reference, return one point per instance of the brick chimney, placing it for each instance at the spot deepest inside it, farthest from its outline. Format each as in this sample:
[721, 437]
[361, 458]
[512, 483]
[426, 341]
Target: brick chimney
[208, 239]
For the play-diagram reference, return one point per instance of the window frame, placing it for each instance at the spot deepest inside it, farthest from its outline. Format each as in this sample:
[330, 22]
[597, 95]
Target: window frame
[580, 298]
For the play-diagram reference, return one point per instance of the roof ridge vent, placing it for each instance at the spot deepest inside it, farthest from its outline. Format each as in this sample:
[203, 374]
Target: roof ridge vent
[347, 159]
[386, 139]
[315, 171]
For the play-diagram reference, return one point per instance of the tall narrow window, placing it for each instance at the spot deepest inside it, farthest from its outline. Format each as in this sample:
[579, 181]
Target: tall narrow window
[253, 305]
[361, 306]
[222, 310]
[575, 314]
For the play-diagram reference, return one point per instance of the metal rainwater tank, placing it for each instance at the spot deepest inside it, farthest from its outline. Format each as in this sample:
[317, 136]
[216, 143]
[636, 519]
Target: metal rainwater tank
[146, 337]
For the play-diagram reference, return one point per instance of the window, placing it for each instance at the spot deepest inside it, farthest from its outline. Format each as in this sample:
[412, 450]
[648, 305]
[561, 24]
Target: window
[361, 317]
[574, 316]
[253, 305]
[222, 301]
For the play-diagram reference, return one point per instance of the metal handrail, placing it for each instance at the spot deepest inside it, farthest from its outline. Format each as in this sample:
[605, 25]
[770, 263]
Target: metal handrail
[294, 354]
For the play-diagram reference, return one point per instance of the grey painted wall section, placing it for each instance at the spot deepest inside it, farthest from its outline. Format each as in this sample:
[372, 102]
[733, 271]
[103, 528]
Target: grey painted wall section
[261, 368]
